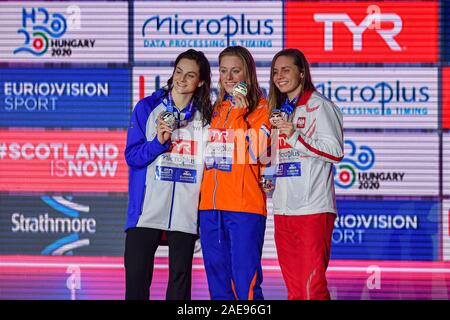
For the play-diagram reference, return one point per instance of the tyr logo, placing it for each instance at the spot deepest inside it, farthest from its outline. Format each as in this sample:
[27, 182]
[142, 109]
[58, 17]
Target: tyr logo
[282, 143]
[184, 147]
[220, 135]
[371, 20]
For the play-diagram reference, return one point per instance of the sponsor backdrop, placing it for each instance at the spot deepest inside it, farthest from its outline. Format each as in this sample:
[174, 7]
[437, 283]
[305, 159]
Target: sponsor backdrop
[446, 229]
[364, 31]
[446, 163]
[64, 98]
[160, 32]
[364, 227]
[148, 79]
[71, 73]
[390, 98]
[58, 31]
[62, 225]
[446, 96]
[387, 164]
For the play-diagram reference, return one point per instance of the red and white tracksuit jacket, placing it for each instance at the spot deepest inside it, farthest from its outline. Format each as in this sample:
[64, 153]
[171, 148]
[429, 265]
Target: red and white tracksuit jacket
[317, 143]
[304, 199]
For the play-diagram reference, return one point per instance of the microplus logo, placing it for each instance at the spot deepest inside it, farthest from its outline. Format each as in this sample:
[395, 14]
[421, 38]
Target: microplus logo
[393, 98]
[226, 28]
[372, 21]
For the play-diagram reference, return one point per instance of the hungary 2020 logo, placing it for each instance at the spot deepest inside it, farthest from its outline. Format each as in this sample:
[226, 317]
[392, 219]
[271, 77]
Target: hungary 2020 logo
[38, 25]
[360, 158]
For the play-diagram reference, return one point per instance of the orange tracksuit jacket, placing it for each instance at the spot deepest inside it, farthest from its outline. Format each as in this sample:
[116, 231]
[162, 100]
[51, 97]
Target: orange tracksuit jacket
[238, 190]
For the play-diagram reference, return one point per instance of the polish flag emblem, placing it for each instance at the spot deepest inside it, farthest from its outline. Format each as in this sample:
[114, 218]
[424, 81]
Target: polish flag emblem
[301, 121]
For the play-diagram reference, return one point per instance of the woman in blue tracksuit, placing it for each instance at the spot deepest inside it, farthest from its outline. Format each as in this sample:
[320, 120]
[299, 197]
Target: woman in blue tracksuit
[166, 167]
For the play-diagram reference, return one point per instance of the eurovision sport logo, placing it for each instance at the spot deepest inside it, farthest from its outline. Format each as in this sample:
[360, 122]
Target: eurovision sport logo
[386, 230]
[69, 98]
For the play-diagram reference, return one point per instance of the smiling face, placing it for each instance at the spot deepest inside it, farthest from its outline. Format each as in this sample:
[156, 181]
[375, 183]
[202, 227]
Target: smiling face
[287, 77]
[186, 77]
[231, 71]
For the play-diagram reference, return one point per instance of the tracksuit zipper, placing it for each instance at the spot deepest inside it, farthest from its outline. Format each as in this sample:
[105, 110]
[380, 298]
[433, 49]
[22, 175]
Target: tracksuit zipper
[215, 170]
[171, 204]
[215, 189]
[173, 195]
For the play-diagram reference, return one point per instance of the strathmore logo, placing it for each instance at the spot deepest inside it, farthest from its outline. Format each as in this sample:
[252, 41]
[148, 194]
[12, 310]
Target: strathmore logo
[69, 220]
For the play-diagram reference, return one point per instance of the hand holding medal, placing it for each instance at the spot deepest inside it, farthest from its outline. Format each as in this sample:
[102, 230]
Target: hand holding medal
[239, 95]
[165, 127]
[276, 117]
[169, 118]
[281, 118]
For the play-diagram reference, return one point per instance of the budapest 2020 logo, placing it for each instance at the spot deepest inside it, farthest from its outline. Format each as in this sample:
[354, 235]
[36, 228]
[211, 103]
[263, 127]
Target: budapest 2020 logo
[43, 30]
[38, 31]
[361, 159]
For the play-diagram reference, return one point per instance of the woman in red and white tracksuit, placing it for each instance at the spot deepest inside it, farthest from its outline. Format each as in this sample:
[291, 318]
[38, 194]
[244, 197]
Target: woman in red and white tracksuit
[310, 140]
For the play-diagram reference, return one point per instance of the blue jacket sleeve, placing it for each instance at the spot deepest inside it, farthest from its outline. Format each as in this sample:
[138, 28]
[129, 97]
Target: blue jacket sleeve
[139, 152]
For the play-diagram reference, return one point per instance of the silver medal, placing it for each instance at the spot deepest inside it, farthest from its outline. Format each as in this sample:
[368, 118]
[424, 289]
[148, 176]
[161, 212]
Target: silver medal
[169, 118]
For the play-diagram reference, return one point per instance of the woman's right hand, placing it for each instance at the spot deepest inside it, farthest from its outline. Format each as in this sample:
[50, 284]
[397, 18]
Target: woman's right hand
[286, 127]
[240, 101]
[163, 130]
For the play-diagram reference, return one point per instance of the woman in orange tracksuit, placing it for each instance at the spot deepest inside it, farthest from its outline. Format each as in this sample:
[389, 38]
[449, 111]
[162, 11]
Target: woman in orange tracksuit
[232, 203]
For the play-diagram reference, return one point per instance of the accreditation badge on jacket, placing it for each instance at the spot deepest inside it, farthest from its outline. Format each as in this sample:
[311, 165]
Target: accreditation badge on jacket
[289, 164]
[219, 149]
[180, 163]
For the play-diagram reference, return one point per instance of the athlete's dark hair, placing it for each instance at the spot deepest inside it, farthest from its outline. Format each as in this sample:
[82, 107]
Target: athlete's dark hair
[202, 95]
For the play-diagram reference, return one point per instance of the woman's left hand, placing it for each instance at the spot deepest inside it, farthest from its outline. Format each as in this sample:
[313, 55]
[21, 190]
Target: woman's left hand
[239, 101]
[286, 127]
